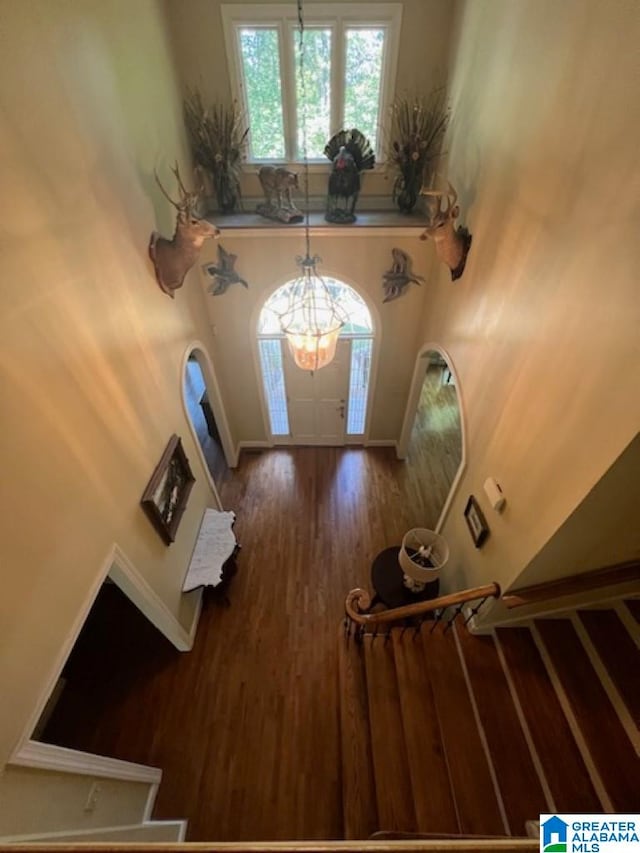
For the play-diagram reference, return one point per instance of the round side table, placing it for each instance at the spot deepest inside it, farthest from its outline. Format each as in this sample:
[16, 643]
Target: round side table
[387, 579]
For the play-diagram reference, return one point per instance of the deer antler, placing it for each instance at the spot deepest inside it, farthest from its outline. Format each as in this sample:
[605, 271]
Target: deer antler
[188, 200]
[165, 193]
[450, 194]
[184, 192]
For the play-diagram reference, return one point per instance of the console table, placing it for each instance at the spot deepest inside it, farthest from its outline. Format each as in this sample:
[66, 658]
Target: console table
[215, 546]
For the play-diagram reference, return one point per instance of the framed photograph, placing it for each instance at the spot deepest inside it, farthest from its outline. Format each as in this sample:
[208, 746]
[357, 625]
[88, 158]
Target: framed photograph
[165, 498]
[476, 522]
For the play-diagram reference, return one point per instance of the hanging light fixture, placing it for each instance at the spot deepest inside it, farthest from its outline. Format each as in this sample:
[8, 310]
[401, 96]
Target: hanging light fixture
[312, 320]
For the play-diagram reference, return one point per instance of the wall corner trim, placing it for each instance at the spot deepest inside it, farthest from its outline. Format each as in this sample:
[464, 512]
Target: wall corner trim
[196, 617]
[30, 753]
[46, 756]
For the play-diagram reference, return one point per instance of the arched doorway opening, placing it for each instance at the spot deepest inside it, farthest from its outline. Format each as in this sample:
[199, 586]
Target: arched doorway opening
[323, 407]
[205, 415]
[432, 438]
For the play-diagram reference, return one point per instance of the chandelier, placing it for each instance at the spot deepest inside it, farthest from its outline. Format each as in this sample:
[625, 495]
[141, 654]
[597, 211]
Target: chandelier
[312, 320]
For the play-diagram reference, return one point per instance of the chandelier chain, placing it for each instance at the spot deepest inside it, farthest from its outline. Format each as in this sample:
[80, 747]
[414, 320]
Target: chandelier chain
[303, 98]
[312, 319]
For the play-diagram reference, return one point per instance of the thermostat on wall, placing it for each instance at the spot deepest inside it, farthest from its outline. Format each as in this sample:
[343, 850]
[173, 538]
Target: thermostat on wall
[494, 493]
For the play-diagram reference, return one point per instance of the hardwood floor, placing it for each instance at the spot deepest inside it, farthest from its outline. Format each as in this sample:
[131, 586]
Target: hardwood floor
[245, 726]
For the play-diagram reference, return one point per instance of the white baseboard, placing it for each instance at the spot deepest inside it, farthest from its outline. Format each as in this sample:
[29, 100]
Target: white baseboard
[482, 734]
[249, 445]
[150, 803]
[46, 756]
[620, 706]
[556, 681]
[628, 621]
[532, 828]
[138, 590]
[176, 831]
[472, 624]
[533, 752]
[193, 629]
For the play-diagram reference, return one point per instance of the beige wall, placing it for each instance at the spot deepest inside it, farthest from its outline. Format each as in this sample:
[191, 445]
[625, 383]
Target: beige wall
[543, 328]
[198, 40]
[359, 259]
[37, 801]
[602, 531]
[91, 348]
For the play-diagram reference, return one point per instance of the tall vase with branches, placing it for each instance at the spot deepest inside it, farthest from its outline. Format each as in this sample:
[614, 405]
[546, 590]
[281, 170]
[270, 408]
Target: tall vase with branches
[417, 126]
[218, 138]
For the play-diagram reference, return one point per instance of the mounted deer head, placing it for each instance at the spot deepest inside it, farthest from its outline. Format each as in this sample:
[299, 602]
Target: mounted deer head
[172, 259]
[452, 245]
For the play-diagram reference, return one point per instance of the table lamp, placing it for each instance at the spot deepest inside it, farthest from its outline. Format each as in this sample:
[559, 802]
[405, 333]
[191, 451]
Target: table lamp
[422, 555]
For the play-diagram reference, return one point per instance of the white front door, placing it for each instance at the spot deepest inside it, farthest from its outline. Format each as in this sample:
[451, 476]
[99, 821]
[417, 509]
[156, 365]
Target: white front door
[317, 400]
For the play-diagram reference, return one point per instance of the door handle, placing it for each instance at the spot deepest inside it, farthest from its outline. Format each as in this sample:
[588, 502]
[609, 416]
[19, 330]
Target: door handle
[341, 410]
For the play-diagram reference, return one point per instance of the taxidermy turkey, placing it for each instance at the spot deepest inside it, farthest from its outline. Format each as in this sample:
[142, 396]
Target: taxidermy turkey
[351, 153]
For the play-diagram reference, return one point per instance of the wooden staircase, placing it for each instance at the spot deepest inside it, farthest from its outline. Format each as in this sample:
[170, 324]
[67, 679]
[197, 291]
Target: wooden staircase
[447, 732]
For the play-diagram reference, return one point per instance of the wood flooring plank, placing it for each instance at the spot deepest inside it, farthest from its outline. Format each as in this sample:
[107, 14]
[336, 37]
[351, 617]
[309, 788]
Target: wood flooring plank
[473, 789]
[608, 743]
[619, 654]
[518, 780]
[358, 789]
[432, 794]
[390, 763]
[564, 769]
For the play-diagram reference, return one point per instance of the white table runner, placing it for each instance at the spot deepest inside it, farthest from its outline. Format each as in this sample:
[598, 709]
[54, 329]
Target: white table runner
[216, 542]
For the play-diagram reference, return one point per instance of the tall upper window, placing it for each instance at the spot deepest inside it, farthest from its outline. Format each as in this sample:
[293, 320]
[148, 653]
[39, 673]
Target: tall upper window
[350, 54]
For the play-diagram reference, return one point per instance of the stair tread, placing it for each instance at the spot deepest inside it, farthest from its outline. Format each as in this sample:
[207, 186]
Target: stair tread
[520, 787]
[475, 797]
[633, 605]
[390, 762]
[619, 654]
[564, 768]
[608, 743]
[432, 795]
[358, 791]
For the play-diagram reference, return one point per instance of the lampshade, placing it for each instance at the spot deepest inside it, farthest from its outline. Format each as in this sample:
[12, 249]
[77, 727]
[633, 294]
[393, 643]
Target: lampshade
[422, 554]
[312, 320]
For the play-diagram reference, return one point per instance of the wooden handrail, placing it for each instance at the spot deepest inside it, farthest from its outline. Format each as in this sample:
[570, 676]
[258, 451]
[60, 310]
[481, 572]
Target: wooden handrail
[463, 845]
[573, 585]
[359, 600]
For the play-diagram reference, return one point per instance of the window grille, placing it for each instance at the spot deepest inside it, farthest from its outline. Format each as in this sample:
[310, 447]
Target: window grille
[359, 385]
[273, 381]
[351, 52]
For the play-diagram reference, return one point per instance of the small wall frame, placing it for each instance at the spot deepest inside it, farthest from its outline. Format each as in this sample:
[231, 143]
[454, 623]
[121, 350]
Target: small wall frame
[476, 522]
[165, 497]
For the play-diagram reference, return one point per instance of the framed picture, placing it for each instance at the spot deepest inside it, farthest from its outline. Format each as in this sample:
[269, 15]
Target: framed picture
[165, 498]
[476, 522]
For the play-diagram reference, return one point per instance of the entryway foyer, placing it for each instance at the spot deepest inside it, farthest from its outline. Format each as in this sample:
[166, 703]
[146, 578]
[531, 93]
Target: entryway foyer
[247, 726]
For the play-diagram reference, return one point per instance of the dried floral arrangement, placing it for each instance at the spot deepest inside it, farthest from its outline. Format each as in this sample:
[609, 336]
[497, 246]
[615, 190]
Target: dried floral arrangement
[417, 128]
[218, 137]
